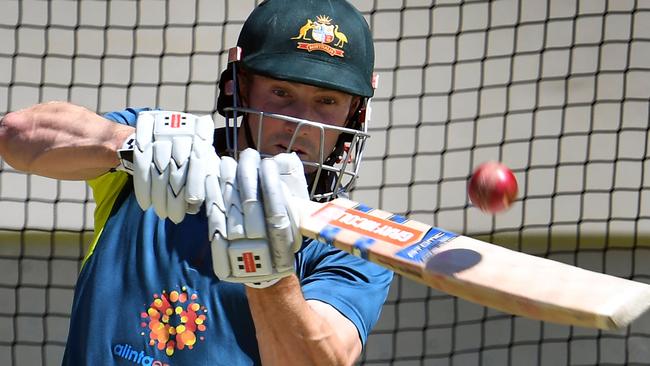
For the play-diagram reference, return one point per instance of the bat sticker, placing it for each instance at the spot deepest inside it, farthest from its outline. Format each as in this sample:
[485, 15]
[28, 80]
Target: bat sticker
[424, 249]
[367, 225]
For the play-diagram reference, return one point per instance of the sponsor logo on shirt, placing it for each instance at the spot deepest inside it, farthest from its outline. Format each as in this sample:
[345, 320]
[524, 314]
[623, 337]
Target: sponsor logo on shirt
[173, 321]
[127, 352]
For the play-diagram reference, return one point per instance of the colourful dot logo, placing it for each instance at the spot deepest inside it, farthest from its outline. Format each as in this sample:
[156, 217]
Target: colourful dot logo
[173, 320]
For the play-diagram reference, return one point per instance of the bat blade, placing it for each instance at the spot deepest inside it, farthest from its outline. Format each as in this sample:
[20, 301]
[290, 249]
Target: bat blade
[484, 273]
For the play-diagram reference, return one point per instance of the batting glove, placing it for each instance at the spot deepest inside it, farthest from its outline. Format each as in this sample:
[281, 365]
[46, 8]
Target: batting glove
[256, 246]
[172, 156]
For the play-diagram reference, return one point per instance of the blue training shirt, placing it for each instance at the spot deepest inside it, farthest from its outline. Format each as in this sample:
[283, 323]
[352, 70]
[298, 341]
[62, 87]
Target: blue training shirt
[147, 294]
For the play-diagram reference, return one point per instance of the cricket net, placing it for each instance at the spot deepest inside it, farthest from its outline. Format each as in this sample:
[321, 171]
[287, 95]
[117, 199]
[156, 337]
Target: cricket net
[557, 90]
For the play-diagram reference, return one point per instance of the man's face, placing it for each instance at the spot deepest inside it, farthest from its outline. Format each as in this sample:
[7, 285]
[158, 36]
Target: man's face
[295, 100]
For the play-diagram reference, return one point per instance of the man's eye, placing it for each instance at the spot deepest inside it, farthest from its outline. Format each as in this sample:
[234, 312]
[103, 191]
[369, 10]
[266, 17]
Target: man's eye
[279, 92]
[328, 101]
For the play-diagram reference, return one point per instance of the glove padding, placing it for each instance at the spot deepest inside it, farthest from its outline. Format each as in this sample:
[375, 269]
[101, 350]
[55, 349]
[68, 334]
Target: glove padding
[256, 245]
[172, 157]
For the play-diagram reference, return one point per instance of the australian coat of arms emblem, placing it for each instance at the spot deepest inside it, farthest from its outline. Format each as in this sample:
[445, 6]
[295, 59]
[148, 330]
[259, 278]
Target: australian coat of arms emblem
[324, 36]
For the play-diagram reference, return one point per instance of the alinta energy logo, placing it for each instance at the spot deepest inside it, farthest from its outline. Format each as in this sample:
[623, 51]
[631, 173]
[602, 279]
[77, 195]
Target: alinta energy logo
[173, 321]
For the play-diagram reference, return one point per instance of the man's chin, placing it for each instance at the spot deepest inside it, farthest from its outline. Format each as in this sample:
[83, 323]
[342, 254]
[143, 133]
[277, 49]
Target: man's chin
[310, 169]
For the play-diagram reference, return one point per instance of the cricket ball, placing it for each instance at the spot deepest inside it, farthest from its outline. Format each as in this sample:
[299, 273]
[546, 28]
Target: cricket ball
[492, 187]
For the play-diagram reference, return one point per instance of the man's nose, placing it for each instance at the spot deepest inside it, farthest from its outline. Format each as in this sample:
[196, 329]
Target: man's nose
[301, 111]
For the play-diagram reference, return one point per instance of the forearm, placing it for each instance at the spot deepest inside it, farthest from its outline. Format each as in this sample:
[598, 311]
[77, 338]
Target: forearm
[61, 140]
[290, 332]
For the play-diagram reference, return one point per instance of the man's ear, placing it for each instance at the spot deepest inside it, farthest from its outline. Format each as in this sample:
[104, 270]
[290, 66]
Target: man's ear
[354, 106]
[244, 80]
[228, 88]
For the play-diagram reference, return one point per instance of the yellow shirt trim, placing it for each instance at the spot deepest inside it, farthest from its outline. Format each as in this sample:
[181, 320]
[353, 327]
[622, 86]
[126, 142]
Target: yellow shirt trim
[106, 188]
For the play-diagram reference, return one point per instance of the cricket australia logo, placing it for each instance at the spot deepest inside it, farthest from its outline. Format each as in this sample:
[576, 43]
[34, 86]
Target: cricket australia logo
[322, 33]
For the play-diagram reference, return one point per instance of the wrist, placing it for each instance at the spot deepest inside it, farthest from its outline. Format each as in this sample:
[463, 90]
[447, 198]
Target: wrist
[279, 285]
[273, 282]
[125, 154]
[119, 136]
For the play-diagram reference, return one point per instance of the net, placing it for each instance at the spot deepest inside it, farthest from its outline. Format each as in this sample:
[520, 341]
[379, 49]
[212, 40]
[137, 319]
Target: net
[557, 90]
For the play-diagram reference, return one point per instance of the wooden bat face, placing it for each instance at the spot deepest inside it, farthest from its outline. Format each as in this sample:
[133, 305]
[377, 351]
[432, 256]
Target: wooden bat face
[487, 274]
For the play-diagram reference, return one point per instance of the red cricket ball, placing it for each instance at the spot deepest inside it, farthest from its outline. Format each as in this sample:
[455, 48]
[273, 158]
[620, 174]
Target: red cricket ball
[492, 187]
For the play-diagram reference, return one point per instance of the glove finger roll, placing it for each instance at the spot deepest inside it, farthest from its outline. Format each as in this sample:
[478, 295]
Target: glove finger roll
[177, 177]
[181, 149]
[247, 178]
[198, 166]
[228, 182]
[162, 154]
[144, 130]
[205, 128]
[176, 205]
[220, 258]
[235, 223]
[142, 175]
[213, 194]
[214, 209]
[292, 175]
[231, 199]
[248, 165]
[278, 223]
[159, 191]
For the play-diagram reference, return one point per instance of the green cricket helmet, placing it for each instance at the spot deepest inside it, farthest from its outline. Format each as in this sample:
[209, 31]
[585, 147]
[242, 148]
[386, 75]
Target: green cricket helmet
[326, 44]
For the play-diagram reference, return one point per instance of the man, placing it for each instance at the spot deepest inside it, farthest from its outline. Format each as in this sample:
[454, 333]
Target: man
[156, 291]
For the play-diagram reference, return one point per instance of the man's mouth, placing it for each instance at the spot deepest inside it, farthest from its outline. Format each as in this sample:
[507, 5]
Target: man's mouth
[285, 148]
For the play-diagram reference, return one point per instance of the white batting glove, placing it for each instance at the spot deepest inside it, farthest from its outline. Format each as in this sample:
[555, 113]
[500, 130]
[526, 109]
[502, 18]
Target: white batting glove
[256, 246]
[173, 154]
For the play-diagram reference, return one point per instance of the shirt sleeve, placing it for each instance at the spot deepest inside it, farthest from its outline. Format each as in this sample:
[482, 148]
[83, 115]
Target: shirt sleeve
[355, 287]
[128, 116]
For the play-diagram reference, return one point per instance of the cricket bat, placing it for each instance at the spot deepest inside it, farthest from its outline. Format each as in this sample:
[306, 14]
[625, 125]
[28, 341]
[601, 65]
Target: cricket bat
[480, 272]
[484, 273]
